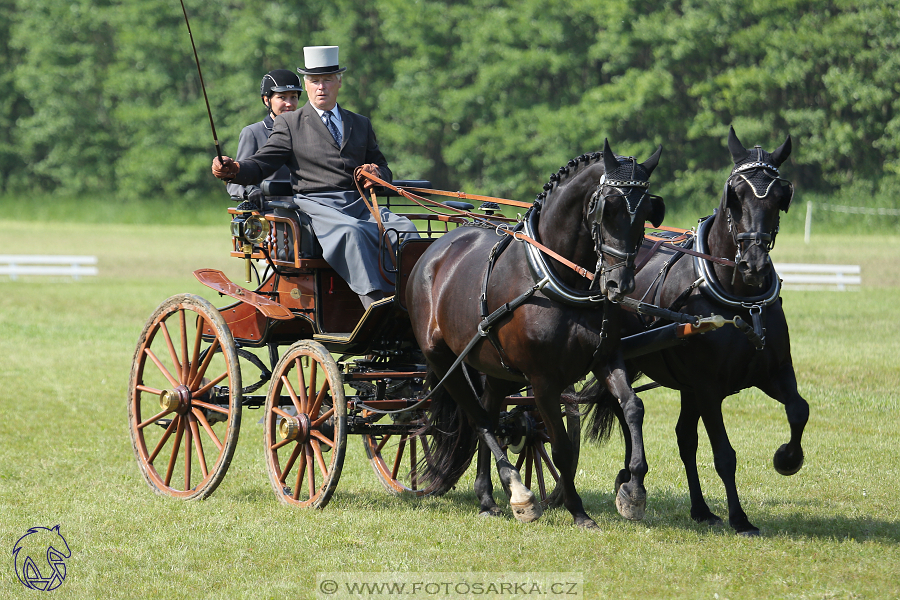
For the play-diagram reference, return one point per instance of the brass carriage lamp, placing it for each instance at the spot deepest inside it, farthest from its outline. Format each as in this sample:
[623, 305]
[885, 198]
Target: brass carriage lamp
[250, 229]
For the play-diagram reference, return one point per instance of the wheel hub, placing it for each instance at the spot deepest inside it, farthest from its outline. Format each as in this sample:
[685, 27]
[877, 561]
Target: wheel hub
[294, 428]
[177, 399]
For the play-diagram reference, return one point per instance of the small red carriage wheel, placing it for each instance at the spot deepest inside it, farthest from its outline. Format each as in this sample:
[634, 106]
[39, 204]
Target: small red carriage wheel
[184, 398]
[534, 461]
[305, 425]
[396, 458]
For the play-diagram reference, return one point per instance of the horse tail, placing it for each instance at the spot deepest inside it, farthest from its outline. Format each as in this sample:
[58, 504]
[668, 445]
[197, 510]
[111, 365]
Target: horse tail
[600, 410]
[451, 440]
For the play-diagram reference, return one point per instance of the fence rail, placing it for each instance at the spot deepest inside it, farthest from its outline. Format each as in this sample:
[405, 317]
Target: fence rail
[801, 275]
[16, 265]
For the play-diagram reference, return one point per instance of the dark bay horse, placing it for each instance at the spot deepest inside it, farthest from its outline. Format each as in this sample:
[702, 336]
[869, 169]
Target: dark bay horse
[709, 367]
[562, 325]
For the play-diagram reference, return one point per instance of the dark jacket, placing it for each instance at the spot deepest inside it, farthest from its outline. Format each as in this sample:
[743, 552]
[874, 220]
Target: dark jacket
[301, 141]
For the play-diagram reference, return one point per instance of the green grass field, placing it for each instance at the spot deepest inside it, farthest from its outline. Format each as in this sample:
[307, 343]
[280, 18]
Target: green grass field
[831, 531]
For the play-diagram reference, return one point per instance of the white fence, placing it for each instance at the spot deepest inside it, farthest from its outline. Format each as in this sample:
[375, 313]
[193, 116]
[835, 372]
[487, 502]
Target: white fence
[803, 276]
[75, 267]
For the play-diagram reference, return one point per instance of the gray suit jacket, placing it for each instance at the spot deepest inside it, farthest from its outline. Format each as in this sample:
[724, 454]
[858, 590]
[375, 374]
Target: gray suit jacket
[301, 141]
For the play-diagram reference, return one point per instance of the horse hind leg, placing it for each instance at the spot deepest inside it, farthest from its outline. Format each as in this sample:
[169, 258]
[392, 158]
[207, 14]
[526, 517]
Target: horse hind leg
[725, 461]
[686, 434]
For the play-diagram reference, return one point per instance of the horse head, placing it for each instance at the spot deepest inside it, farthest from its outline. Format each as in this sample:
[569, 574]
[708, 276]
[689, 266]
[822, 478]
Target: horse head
[617, 211]
[754, 195]
[593, 213]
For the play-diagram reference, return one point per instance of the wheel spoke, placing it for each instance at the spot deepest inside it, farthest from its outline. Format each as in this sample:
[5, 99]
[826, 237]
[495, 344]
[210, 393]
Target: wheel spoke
[212, 383]
[195, 356]
[173, 354]
[175, 446]
[325, 416]
[208, 406]
[184, 350]
[143, 388]
[297, 402]
[320, 397]
[521, 460]
[290, 463]
[412, 461]
[384, 441]
[198, 373]
[188, 442]
[162, 441]
[153, 419]
[198, 443]
[539, 471]
[301, 385]
[301, 470]
[207, 427]
[313, 368]
[528, 464]
[322, 438]
[282, 413]
[543, 452]
[398, 459]
[310, 473]
[319, 458]
[161, 367]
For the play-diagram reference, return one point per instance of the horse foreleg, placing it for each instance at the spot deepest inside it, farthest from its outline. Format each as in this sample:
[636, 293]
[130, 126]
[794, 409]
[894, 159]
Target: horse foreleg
[492, 400]
[725, 460]
[564, 458]
[686, 433]
[624, 475]
[631, 497]
[788, 458]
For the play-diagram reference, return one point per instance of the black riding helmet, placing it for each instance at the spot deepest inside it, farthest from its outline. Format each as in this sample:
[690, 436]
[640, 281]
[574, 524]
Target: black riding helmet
[279, 80]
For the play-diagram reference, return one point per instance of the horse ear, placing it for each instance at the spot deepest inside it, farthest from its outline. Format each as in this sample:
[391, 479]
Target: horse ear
[738, 152]
[609, 159]
[782, 152]
[658, 212]
[653, 161]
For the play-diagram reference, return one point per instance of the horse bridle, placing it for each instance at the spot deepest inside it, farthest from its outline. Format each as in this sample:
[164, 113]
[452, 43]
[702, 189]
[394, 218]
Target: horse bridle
[596, 208]
[758, 171]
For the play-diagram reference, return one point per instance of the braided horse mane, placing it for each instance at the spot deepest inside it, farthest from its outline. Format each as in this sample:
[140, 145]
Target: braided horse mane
[565, 172]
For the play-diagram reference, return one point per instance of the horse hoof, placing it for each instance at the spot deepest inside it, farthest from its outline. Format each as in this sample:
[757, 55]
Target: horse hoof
[491, 512]
[710, 519]
[588, 524]
[631, 506]
[622, 477]
[527, 511]
[754, 532]
[784, 463]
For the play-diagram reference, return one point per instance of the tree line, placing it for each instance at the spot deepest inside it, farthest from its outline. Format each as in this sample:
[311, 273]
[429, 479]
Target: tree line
[101, 97]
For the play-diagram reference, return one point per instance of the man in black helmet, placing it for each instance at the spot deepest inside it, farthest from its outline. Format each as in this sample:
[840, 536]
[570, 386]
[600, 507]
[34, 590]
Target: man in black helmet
[280, 92]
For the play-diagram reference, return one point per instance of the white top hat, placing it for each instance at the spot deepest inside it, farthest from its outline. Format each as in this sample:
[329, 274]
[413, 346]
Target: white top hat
[320, 60]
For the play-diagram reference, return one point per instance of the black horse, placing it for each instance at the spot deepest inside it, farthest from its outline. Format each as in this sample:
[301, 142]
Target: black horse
[709, 367]
[560, 325]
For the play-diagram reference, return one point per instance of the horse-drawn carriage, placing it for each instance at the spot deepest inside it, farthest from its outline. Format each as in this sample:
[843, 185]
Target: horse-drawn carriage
[301, 347]
[193, 364]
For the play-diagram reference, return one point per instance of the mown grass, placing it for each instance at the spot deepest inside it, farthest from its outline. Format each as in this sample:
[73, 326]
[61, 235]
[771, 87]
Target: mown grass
[831, 531]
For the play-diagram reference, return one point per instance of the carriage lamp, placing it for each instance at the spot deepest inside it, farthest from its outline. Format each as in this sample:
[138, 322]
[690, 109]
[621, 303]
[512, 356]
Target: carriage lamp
[250, 229]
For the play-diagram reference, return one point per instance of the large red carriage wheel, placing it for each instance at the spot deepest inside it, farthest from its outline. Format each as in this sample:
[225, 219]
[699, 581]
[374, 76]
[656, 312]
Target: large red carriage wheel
[184, 398]
[305, 426]
[534, 461]
[396, 458]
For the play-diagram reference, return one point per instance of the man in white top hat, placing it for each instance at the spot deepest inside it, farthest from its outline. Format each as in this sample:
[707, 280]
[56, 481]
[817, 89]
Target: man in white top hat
[322, 144]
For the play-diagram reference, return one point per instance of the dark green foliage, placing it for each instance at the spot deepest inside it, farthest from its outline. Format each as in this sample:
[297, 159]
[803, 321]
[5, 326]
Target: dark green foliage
[486, 96]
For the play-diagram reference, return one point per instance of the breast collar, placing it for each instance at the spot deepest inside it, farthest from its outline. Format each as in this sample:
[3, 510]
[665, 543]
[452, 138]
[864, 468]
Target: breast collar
[555, 289]
[711, 287]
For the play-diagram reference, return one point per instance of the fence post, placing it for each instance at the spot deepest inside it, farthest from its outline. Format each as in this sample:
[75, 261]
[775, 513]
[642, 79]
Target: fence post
[807, 230]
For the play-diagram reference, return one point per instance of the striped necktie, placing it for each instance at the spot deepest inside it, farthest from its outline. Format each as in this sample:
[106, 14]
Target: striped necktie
[326, 117]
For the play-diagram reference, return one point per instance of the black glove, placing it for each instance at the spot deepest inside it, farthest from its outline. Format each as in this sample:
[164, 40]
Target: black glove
[255, 195]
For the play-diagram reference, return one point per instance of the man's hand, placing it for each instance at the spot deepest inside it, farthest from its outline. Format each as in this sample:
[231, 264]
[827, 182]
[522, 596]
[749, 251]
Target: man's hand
[226, 169]
[372, 169]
